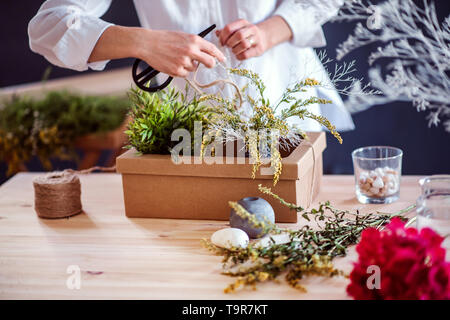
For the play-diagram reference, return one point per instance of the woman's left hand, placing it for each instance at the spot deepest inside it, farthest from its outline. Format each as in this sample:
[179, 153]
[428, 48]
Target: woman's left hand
[248, 40]
[245, 39]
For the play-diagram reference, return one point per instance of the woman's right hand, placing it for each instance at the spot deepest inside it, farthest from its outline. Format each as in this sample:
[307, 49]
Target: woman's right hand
[177, 53]
[170, 52]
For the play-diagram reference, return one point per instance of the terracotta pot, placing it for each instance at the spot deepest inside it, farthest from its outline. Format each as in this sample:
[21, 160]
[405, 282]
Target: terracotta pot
[113, 139]
[155, 187]
[94, 144]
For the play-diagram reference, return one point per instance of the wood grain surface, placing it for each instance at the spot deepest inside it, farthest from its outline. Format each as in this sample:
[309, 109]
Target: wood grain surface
[124, 258]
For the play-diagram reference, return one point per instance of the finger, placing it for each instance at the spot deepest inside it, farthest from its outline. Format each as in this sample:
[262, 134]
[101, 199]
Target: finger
[242, 46]
[239, 36]
[180, 72]
[212, 50]
[231, 28]
[190, 65]
[183, 73]
[250, 53]
[204, 58]
[187, 63]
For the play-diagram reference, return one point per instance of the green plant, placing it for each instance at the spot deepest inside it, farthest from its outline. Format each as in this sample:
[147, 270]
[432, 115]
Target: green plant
[156, 115]
[264, 130]
[309, 250]
[48, 127]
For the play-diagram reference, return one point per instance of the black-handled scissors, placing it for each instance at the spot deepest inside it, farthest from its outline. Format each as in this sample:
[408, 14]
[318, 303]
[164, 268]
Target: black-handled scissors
[144, 77]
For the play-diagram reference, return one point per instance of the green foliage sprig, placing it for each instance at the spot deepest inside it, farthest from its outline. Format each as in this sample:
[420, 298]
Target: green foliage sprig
[309, 251]
[264, 131]
[156, 115]
[48, 127]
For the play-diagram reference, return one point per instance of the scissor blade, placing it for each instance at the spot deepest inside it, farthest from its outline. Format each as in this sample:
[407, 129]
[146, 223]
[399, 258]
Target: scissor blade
[207, 30]
[149, 77]
[146, 71]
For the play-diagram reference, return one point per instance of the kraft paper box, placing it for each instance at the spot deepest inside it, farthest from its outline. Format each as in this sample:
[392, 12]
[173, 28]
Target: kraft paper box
[155, 187]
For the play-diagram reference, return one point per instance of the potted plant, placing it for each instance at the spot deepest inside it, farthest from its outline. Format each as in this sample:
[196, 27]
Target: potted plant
[55, 125]
[163, 180]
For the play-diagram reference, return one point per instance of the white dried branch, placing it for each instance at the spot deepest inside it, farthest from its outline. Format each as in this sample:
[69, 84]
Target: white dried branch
[419, 47]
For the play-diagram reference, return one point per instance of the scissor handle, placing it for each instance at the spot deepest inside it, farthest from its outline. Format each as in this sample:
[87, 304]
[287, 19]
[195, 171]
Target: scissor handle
[143, 77]
[207, 30]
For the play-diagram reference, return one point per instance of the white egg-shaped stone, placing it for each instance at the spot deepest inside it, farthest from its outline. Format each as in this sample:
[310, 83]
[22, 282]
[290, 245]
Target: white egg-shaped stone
[229, 238]
[391, 191]
[363, 176]
[374, 190]
[373, 174]
[392, 177]
[379, 172]
[378, 183]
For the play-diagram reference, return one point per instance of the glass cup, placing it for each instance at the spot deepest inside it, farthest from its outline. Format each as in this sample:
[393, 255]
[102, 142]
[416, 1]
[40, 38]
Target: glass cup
[433, 206]
[377, 172]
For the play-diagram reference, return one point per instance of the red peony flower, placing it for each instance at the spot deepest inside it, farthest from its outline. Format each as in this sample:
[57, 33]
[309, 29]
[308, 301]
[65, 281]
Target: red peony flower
[400, 263]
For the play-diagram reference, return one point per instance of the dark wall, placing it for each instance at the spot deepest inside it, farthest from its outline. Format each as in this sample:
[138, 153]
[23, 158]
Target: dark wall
[18, 64]
[426, 150]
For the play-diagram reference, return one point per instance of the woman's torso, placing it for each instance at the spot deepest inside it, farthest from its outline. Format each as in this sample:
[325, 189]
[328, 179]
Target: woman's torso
[278, 67]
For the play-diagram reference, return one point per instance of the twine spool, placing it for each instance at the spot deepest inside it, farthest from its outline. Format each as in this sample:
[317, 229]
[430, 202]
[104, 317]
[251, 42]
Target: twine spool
[58, 194]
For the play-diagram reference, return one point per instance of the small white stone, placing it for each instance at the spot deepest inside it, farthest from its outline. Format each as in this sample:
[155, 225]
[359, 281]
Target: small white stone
[373, 174]
[230, 237]
[379, 172]
[391, 191]
[374, 191]
[378, 183]
[396, 185]
[363, 176]
[391, 177]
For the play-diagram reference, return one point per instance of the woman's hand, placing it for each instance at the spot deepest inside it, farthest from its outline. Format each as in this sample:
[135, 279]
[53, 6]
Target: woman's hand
[173, 53]
[248, 40]
[177, 53]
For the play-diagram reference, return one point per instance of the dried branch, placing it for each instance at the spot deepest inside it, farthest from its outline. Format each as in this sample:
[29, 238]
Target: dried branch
[418, 46]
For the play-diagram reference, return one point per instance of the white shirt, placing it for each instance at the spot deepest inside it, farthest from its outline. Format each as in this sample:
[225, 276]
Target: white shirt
[66, 31]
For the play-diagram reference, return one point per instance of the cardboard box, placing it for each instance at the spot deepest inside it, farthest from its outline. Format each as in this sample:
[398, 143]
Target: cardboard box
[155, 187]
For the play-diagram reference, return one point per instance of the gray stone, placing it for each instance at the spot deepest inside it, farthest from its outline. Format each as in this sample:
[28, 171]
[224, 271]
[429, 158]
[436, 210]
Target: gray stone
[257, 206]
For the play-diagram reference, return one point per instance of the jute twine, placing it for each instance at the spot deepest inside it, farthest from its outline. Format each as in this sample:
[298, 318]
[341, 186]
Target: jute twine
[58, 194]
[198, 86]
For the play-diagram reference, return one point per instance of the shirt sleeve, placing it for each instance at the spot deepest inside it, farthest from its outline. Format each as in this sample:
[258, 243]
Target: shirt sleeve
[306, 17]
[65, 32]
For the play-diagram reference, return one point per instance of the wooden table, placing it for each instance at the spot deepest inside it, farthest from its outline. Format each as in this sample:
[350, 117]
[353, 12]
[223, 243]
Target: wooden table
[123, 258]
